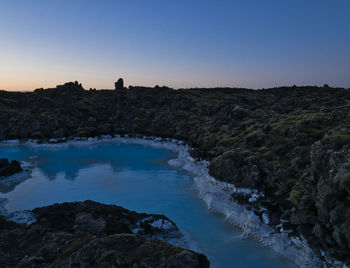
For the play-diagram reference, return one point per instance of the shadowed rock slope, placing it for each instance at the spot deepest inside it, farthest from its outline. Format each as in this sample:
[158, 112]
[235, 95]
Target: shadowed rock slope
[89, 234]
[291, 143]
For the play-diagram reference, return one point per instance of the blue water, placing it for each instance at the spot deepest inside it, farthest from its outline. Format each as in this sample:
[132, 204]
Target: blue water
[137, 178]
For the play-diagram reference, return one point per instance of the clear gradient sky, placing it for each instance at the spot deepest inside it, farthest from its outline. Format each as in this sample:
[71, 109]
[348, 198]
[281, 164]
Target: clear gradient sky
[238, 43]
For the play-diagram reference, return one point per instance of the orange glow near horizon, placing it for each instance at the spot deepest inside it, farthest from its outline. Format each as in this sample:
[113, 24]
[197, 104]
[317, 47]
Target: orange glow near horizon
[278, 43]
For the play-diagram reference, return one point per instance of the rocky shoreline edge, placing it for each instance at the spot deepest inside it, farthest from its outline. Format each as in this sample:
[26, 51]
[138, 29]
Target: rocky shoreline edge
[223, 197]
[91, 234]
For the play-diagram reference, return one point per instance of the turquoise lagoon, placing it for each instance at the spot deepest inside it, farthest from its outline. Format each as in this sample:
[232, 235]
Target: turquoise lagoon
[139, 178]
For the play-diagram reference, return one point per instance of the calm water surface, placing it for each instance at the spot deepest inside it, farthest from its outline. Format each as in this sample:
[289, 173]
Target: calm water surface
[137, 178]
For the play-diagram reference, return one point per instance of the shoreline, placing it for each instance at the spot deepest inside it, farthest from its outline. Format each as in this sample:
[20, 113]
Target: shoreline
[216, 194]
[89, 233]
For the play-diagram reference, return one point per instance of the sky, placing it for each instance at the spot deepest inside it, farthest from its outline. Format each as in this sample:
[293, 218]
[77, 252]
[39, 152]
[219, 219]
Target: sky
[181, 44]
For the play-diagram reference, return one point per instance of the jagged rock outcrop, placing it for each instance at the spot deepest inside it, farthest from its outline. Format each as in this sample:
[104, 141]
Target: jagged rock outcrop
[119, 84]
[9, 168]
[90, 234]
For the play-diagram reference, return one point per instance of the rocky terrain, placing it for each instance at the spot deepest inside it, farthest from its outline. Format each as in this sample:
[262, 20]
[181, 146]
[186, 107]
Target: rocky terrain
[90, 234]
[9, 168]
[290, 143]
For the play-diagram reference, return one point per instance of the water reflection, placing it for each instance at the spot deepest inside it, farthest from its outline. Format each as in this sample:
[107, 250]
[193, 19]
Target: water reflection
[70, 161]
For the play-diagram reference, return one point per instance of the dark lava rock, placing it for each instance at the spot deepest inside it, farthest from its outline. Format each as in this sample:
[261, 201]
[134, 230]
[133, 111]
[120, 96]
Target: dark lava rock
[90, 234]
[292, 144]
[9, 168]
[119, 84]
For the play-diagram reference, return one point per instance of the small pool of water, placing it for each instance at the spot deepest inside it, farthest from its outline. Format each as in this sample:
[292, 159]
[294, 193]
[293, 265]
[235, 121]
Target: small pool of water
[137, 178]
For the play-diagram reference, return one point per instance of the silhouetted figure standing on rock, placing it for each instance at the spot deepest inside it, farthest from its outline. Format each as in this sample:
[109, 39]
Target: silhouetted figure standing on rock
[119, 84]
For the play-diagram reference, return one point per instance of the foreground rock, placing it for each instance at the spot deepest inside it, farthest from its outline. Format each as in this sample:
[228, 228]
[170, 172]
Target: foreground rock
[9, 168]
[90, 234]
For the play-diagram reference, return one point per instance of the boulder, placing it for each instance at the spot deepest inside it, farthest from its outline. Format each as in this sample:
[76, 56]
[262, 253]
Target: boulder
[9, 168]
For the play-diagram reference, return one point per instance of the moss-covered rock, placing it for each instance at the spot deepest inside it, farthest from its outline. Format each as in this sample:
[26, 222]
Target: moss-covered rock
[91, 234]
[287, 142]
